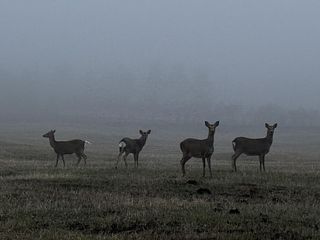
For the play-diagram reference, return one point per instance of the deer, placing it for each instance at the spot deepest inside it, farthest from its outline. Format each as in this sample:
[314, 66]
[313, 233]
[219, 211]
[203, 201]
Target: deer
[253, 147]
[67, 147]
[196, 148]
[134, 146]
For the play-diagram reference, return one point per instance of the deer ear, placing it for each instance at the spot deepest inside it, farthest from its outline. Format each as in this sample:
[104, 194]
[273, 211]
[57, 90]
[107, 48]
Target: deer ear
[149, 131]
[276, 125]
[54, 131]
[217, 123]
[207, 123]
[140, 131]
[267, 125]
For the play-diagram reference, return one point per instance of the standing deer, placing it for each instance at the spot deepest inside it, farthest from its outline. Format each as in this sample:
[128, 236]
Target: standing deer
[199, 148]
[253, 147]
[134, 146]
[67, 147]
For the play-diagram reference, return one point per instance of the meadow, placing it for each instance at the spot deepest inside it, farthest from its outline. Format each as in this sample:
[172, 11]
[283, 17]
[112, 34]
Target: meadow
[96, 201]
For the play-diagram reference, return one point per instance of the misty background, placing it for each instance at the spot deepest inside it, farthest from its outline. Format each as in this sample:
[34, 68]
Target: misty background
[240, 62]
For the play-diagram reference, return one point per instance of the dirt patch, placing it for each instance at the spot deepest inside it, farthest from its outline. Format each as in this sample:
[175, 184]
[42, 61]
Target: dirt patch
[192, 182]
[114, 228]
[234, 211]
[203, 191]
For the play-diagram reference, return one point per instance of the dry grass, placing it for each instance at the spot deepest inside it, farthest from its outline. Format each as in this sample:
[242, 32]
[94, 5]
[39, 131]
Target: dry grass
[154, 201]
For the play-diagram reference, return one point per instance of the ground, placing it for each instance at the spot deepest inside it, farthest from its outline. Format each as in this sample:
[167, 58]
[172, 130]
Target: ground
[154, 201]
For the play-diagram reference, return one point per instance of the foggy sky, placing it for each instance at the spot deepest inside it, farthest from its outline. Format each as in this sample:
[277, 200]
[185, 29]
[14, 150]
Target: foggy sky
[109, 54]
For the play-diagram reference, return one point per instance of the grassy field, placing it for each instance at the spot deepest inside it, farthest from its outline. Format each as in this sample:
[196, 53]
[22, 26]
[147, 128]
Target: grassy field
[38, 201]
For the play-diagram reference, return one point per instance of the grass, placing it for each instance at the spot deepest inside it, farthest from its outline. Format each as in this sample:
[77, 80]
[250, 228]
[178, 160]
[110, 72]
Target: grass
[39, 201]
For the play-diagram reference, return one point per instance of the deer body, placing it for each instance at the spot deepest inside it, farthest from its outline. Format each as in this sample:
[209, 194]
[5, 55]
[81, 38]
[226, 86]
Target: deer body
[197, 148]
[134, 146]
[67, 147]
[253, 147]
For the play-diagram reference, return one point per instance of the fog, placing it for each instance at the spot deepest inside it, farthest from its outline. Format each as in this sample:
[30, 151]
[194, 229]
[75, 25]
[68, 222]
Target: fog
[241, 62]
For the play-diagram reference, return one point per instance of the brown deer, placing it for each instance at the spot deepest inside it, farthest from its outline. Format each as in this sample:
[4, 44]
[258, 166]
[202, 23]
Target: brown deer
[253, 147]
[134, 146]
[199, 148]
[67, 147]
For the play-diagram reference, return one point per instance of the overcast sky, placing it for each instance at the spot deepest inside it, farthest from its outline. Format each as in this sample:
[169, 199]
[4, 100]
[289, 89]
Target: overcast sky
[243, 52]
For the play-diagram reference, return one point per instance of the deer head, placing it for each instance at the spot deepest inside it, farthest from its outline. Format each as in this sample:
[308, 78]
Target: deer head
[49, 134]
[144, 134]
[271, 128]
[212, 127]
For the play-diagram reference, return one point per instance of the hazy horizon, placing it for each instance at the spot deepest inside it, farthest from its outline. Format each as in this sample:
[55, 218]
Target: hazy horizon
[120, 58]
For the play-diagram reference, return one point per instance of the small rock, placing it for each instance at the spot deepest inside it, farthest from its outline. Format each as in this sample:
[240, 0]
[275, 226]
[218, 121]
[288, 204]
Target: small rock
[192, 182]
[264, 218]
[203, 191]
[243, 201]
[234, 211]
[217, 209]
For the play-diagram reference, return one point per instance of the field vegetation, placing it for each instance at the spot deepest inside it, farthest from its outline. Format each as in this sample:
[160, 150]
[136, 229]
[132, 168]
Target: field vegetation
[96, 201]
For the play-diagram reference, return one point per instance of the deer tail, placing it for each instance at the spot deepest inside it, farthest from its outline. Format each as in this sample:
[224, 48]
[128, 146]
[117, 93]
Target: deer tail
[234, 144]
[182, 146]
[87, 142]
[122, 145]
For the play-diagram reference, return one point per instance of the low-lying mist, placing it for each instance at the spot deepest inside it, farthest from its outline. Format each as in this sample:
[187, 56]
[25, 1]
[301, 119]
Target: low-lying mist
[168, 95]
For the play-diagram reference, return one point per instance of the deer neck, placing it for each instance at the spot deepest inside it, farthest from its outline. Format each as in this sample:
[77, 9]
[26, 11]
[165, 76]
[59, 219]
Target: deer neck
[210, 138]
[269, 137]
[52, 141]
[142, 141]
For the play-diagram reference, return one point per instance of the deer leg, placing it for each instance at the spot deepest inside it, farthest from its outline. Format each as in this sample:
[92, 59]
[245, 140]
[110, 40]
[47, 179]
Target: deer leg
[119, 156]
[183, 161]
[234, 159]
[209, 165]
[84, 158]
[203, 167]
[263, 157]
[81, 154]
[125, 159]
[260, 161]
[137, 159]
[79, 158]
[57, 160]
[64, 164]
